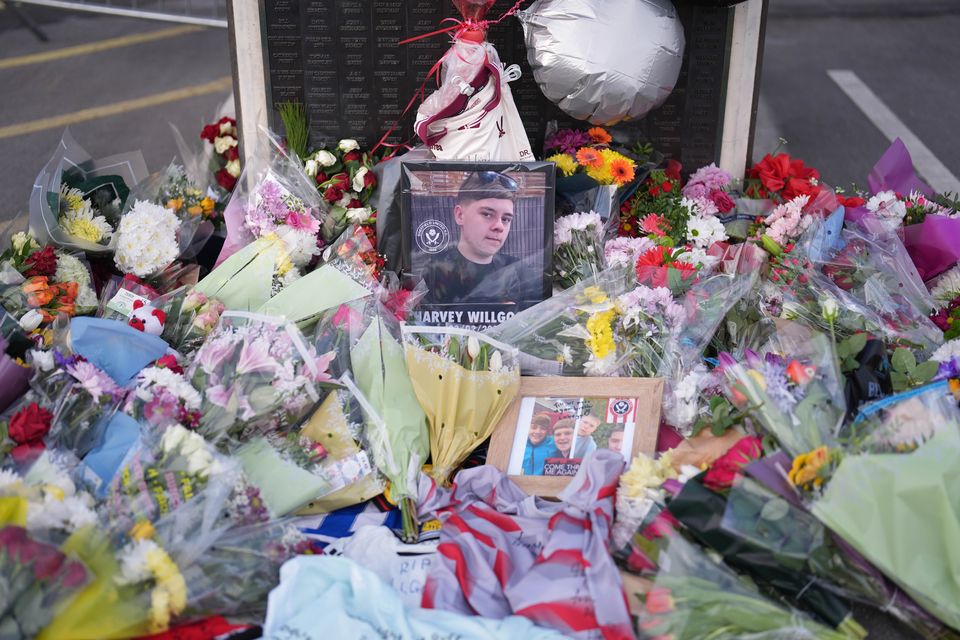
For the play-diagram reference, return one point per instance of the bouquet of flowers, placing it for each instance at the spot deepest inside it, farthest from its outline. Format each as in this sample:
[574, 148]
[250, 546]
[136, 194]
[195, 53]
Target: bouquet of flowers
[275, 198]
[464, 381]
[793, 390]
[577, 242]
[81, 409]
[257, 374]
[594, 174]
[147, 239]
[295, 468]
[656, 208]
[946, 295]
[190, 320]
[225, 163]
[344, 176]
[162, 395]
[76, 200]
[781, 178]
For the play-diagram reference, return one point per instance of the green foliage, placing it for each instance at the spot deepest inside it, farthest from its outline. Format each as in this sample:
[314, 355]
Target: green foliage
[723, 415]
[849, 349]
[296, 125]
[906, 373]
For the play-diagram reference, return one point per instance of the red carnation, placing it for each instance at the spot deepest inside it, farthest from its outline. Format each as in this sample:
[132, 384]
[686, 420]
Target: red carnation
[787, 176]
[851, 202]
[727, 467]
[24, 453]
[233, 153]
[30, 424]
[42, 263]
[352, 156]
[225, 180]
[723, 201]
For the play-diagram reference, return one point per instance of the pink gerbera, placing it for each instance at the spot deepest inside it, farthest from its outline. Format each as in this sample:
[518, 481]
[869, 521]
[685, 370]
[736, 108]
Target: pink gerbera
[303, 222]
[655, 224]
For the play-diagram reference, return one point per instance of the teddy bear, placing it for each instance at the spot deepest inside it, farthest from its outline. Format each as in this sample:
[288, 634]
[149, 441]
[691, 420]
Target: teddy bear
[147, 319]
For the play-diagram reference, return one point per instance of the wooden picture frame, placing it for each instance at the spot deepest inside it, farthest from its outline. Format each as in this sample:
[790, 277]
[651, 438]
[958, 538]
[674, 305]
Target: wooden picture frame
[627, 401]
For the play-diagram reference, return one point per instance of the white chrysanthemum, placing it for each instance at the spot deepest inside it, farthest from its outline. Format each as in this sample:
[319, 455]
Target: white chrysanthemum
[172, 382]
[886, 205]
[79, 220]
[8, 478]
[71, 269]
[133, 562]
[301, 246]
[703, 232]
[147, 239]
[948, 351]
[564, 226]
[947, 288]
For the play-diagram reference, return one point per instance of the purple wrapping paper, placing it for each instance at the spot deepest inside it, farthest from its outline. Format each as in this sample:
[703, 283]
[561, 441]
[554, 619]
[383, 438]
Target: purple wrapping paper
[894, 172]
[934, 245]
[14, 379]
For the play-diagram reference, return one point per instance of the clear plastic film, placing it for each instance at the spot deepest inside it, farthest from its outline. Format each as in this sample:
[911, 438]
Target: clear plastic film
[274, 197]
[91, 192]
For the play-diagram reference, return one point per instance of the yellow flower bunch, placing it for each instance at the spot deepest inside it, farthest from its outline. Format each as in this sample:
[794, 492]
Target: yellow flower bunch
[612, 168]
[596, 295]
[169, 595]
[82, 228]
[565, 162]
[805, 471]
[600, 341]
[647, 473]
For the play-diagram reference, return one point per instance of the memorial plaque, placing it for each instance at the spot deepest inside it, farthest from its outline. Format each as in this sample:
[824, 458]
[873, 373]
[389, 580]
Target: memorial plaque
[342, 59]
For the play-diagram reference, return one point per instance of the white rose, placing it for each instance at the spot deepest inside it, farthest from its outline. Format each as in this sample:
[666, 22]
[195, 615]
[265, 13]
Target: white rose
[358, 178]
[326, 159]
[345, 200]
[221, 144]
[311, 168]
[359, 215]
[172, 438]
[233, 168]
[348, 144]
[829, 309]
[31, 320]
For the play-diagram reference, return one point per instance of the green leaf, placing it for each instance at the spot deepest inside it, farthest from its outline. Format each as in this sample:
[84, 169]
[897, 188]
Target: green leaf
[903, 360]
[855, 343]
[923, 372]
[718, 429]
[770, 245]
[899, 381]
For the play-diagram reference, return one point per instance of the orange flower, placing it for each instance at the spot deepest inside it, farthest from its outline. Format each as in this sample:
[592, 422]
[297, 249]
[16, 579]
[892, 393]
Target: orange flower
[207, 204]
[622, 170]
[36, 283]
[175, 203]
[599, 135]
[589, 157]
[195, 210]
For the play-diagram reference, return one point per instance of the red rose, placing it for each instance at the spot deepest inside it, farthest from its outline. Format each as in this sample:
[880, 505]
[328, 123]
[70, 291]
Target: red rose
[785, 175]
[332, 194]
[210, 132]
[667, 186]
[321, 177]
[42, 263]
[727, 467]
[169, 361]
[225, 180]
[354, 204]
[673, 170]
[723, 201]
[352, 156]
[30, 424]
[341, 181]
[369, 180]
[24, 453]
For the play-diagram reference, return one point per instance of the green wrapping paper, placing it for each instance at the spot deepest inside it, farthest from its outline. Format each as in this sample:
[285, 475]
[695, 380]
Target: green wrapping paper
[902, 512]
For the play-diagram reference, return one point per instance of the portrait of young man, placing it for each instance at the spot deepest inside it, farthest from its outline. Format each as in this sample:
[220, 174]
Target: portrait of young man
[539, 445]
[585, 442]
[478, 238]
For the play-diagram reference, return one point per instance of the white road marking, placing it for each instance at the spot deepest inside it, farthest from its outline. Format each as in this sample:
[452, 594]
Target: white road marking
[934, 172]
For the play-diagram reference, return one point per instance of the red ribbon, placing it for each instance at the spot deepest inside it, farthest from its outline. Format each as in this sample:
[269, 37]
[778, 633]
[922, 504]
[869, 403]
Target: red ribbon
[460, 27]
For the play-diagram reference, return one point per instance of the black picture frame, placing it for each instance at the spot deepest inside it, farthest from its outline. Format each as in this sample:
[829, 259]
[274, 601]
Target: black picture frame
[427, 198]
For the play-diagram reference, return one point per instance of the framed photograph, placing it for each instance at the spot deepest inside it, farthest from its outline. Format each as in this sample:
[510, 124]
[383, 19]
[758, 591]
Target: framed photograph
[480, 235]
[556, 421]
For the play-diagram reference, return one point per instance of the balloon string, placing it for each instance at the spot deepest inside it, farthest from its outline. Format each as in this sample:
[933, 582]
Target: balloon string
[460, 26]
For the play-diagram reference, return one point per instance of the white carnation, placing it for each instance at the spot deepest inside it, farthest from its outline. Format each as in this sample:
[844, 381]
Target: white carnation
[947, 288]
[886, 205]
[223, 143]
[147, 239]
[233, 167]
[301, 246]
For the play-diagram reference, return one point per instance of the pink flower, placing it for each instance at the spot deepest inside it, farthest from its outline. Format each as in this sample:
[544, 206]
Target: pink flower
[255, 357]
[219, 395]
[323, 366]
[303, 222]
[213, 353]
[96, 382]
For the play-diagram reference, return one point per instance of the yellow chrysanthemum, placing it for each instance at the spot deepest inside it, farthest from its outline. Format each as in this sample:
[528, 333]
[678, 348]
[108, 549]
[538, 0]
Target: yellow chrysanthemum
[142, 530]
[595, 295]
[565, 162]
[806, 467]
[73, 199]
[600, 341]
[169, 596]
[82, 228]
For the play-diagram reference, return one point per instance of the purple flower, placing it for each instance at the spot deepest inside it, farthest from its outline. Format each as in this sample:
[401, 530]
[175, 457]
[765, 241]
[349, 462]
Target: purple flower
[705, 181]
[567, 140]
[94, 381]
[949, 369]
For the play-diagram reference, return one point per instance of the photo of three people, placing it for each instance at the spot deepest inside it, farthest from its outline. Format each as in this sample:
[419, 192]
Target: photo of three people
[557, 441]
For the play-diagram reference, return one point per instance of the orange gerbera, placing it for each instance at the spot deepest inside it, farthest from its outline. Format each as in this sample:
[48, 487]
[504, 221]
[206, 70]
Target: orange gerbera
[622, 170]
[599, 135]
[589, 158]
